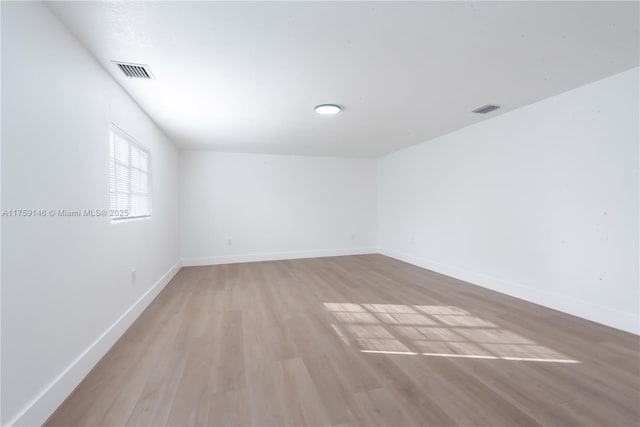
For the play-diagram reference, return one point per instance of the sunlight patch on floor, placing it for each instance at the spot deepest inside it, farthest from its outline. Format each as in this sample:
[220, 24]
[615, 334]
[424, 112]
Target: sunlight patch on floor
[433, 330]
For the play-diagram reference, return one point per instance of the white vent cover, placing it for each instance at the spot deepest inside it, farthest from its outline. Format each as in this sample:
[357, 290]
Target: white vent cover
[486, 109]
[134, 71]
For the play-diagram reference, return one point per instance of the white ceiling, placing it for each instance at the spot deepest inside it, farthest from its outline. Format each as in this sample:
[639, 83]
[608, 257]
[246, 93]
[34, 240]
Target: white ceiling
[236, 76]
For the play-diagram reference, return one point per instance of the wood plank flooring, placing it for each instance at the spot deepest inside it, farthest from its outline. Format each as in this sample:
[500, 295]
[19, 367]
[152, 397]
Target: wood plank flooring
[359, 340]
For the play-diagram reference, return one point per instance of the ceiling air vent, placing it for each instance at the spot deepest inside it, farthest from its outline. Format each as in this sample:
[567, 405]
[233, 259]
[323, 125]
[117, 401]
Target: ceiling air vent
[486, 109]
[134, 71]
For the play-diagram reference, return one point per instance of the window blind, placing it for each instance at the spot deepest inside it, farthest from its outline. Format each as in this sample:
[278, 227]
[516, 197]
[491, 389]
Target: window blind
[129, 177]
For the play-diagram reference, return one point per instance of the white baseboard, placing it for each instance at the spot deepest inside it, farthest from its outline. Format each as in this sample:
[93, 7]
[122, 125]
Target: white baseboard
[616, 319]
[50, 397]
[275, 256]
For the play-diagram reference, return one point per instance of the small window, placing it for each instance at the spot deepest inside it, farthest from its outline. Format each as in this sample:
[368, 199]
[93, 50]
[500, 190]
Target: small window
[129, 177]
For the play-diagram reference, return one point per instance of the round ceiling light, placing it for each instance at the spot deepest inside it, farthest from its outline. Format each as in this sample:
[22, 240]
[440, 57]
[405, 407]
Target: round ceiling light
[328, 109]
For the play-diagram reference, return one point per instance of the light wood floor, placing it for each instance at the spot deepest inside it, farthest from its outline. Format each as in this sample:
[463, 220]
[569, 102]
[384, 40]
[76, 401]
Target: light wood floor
[360, 340]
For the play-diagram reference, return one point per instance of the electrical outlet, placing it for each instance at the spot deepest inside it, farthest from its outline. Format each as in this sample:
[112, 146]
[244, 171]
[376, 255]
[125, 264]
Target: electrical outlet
[353, 237]
[133, 277]
[230, 242]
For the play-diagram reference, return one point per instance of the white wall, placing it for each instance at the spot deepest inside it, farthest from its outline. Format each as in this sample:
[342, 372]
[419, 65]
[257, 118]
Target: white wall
[66, 281]
[274, 207]
[540, 203]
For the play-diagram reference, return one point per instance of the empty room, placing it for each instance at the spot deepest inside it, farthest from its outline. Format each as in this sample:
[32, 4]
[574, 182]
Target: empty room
[320, 213]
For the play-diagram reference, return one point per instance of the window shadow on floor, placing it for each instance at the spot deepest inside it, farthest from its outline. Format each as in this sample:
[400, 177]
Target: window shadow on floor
[434, 331]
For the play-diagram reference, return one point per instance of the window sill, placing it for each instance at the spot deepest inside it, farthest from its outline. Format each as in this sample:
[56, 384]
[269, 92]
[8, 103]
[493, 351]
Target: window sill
[129, 219]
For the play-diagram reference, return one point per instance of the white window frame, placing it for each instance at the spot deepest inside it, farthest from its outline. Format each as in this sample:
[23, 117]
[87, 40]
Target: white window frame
[113, 131]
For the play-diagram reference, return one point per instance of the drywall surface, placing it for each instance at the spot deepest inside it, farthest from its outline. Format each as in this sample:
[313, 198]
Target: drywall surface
[249, 207]
[67, 288]
[540, 203]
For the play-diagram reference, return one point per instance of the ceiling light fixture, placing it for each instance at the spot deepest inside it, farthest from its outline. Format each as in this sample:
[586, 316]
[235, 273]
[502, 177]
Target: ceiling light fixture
[328, 109]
